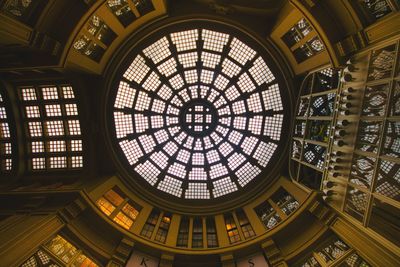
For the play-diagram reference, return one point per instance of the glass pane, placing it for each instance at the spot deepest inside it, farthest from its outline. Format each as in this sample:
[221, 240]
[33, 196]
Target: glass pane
[183, 234]
[285, 201]
[362, 171]
[300, 128]
[123, 220]
[356, 203]
[97, 27]
[382, 62]
[130, 211]
[333, 251]
[105, 206]
[115, 197]
[311, 262]
[369, 133]
[395, 101]
[197, 236]
[375, 100]
[319, 130]
[377, 8]
[212, 239]
[267, 215]
[354, 260]
[326, 79]
[122, 11]
[303, 106]
[388, 183]
[296, 149]
[143, 6]
[392, 139]
[314, 155]
[322, 105]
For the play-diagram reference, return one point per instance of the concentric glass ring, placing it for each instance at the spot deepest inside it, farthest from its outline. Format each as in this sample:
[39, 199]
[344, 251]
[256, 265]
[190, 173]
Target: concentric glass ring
[198, 114]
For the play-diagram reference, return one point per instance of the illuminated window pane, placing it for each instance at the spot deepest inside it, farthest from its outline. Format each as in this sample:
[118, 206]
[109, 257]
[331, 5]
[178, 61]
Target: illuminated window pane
[65, 252]
[105, 206]
[123, 220]
[231, 228]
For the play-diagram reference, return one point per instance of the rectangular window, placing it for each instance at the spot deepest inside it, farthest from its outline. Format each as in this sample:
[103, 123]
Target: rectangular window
[212, 238]
[52, 127]
[116, 205]
[102, 36]
[67, 253]
[333, 250]
[183, 234]
[267, 215]
[122, 11]
[150, 224]
[5, 139]
[244, 223]
[309, 49]
[301, 29]
[286, 202]
[377, 8]
[197, 237]
[162, 231]
[231, 228]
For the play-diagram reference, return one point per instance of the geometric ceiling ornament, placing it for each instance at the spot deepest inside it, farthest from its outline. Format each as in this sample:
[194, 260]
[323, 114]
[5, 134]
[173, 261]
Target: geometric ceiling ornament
[197, 113]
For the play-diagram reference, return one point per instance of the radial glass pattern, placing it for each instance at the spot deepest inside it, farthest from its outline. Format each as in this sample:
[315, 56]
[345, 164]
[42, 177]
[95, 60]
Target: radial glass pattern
[198, 113]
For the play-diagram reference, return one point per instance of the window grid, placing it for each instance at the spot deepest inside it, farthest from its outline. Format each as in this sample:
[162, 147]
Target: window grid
[183, 233]
[118, 207]
[6, 153]
[333, 252]
[150, 225]
[214, 70]
[231, 228]
[162, 232]
[197, 234]
[212, 237]
[64, 251]
[245, 225]
[53, 127]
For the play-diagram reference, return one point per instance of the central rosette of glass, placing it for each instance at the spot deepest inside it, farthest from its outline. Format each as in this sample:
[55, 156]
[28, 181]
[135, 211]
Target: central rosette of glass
[198, 117]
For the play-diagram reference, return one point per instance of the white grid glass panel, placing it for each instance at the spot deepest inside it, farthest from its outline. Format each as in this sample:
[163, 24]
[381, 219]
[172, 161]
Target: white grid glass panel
[194, 125]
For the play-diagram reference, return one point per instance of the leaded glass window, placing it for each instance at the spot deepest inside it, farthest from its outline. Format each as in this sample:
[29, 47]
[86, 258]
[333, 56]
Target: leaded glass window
[181, 114]
[150, 225]
[118, 207]
[68, 253]
[163, 228]
[52, 127]
[6, 162]
[231, 228]
[212, 237]
[197, 235]
[245, 225]
[183, 233]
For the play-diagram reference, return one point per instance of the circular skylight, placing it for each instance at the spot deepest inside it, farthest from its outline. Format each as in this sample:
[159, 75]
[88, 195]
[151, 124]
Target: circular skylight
[198, 114]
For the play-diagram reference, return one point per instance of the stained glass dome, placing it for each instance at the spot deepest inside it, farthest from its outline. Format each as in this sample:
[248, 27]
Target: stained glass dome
[197, 113]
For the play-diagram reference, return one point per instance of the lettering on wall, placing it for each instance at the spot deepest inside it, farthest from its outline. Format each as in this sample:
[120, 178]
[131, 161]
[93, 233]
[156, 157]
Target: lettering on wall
[139, 259]
[256, 260]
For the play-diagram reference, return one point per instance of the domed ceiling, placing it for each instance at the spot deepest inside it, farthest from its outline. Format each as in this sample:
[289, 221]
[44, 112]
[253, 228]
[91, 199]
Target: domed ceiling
[196, 110]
